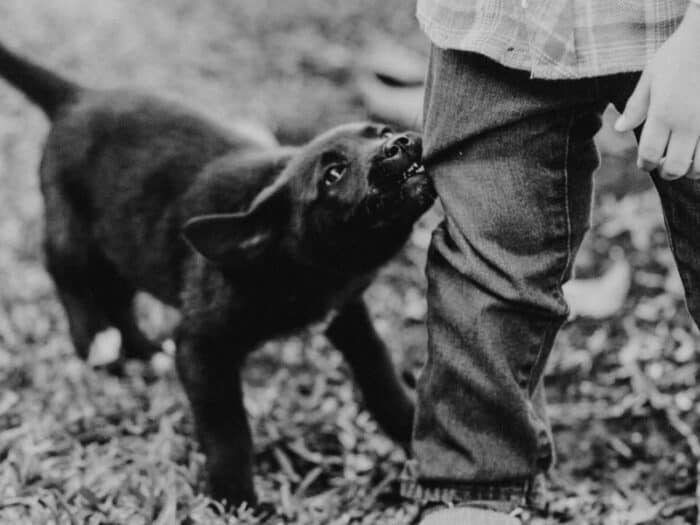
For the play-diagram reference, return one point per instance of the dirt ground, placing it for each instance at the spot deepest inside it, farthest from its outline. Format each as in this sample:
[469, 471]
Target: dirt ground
[78, 446]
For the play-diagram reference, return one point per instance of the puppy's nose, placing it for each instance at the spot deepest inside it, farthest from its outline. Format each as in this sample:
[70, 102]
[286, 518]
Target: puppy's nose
[397, 144]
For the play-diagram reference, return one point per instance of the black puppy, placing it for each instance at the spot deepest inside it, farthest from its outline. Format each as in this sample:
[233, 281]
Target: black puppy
[283, 236]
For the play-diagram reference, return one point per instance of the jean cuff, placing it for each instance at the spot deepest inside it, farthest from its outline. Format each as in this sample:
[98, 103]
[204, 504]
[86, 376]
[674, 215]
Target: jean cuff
[507, 495]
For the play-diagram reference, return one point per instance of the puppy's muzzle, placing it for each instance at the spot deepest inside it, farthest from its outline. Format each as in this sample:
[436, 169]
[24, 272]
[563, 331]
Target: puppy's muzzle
[408, 144]
[401, 158]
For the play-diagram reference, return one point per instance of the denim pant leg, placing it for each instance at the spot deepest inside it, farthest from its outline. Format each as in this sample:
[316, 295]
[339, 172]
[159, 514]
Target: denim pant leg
[512, 160]
[680, 200]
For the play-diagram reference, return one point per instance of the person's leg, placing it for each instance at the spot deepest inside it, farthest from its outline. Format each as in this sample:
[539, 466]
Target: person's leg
[512, 160]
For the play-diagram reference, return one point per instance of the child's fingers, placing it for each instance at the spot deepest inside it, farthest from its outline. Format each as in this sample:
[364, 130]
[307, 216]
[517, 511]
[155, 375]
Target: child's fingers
[652, 144]
[679, 156]
[695, 173]
[637, 106]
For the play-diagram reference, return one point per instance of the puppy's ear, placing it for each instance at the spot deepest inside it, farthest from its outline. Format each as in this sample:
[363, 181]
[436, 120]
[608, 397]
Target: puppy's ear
[230, 238]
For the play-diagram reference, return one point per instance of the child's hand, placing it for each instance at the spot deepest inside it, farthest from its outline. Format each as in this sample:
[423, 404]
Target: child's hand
[668, 98]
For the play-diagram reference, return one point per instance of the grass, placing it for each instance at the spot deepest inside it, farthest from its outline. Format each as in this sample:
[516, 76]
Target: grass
[77, 446]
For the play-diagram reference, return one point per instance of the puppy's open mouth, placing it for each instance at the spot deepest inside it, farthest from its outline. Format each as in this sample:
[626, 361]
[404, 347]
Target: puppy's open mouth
[413, 169]
[403, 196]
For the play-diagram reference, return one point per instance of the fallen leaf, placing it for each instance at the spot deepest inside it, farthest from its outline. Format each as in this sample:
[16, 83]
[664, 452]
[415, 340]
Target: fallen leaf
[600, 297]
[105, 347]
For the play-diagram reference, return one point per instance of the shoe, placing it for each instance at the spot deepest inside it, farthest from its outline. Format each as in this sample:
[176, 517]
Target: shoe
[468, 516]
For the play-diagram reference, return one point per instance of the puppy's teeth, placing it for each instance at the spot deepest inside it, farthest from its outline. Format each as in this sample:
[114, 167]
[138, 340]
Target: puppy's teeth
[412, 170]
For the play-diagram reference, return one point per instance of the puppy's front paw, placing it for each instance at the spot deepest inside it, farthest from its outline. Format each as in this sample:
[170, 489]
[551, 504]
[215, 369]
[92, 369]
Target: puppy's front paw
[232, 492]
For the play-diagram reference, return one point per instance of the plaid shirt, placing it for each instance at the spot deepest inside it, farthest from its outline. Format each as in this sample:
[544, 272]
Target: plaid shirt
[555, 38]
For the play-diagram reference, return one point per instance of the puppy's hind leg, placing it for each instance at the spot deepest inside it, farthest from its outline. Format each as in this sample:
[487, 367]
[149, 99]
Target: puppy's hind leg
[67, 258]
[70, 273]
[94, 298]
[117, 298]
[353, 333]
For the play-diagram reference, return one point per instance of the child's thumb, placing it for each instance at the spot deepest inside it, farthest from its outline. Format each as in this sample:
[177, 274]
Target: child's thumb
[637, 106]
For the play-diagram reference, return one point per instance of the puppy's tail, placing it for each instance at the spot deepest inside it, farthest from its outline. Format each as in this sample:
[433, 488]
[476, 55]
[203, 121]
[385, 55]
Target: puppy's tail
[46, 89]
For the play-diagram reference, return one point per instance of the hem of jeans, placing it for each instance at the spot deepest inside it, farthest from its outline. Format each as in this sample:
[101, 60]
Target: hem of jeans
[514, 493]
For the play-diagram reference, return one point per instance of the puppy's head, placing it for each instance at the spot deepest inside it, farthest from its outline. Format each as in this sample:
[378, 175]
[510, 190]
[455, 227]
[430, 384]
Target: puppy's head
[348, 199]
[364, 188]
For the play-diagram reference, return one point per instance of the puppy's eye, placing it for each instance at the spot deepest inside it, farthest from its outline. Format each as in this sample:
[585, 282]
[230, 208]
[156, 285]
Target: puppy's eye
[334, 174]
[385, 133]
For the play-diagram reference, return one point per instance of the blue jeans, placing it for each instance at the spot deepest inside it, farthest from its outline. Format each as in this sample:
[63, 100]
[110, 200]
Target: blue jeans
[512, 160]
